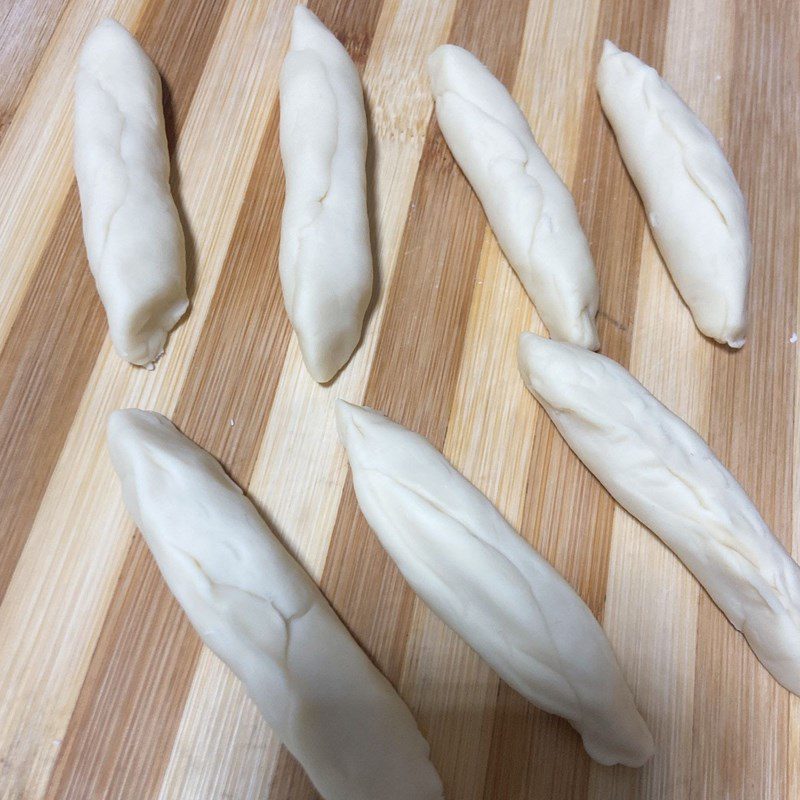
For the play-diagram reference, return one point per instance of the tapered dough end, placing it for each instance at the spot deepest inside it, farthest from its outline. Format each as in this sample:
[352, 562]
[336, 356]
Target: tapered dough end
[325, 356]
[582, 333]
[350, 422]
[442, 61]
[609, 48]
[106, 32]
[546, 372]
[133, 426]
[308, 32]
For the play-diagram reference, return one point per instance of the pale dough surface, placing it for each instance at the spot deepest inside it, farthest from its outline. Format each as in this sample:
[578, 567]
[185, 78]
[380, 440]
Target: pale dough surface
[256, 608]
[134, 240]
[531, 211]
[694, 206]
[325, 256]
[665, 475]
[489, 585]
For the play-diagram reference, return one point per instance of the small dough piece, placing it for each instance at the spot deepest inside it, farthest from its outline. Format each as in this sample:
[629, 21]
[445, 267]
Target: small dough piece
[256, 608]
[489, 585]
[694, 206]
[529, 208]
[133, 235]
[659, 469]
[325, 254]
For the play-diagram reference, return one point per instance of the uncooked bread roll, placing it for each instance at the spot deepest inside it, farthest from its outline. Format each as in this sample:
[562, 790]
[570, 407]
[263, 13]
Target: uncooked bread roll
[133, 235]
[694, 206]
[489, 585]
[256, 608]
[530, 210]
[664, 474]
[325, 255]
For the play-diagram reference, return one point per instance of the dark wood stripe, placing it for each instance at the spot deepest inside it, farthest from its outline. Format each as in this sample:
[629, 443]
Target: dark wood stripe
[54, 342]
[235, 372]
[731, 687]
[571, 523]
[415, 368]
[25, 32]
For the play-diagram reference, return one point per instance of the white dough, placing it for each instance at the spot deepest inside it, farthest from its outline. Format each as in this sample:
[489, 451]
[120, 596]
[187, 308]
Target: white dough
[325, 255]
[133, 235]
[694, 206]
[663, 473]
[256, 608]
[530, 210]
[489, 585]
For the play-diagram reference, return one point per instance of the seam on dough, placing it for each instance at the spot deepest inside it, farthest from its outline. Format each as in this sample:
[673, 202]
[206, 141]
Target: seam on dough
[303, 232]
[126, 170]
[442, 510]
[672, 132]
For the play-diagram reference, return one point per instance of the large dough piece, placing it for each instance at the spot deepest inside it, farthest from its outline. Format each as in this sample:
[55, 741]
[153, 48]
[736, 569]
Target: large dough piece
[256, 608]
[664, 474]
[325, 255]
[694, 206]
[133, 235]
[489, 585]
[530, 210]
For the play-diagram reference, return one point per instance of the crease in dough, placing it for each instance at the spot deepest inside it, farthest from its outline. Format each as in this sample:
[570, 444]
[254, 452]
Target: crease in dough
[325, 253]
[489, 585]
[258, 610]
[531, 211]
[133, 235]
[662, 472]
[694, 205]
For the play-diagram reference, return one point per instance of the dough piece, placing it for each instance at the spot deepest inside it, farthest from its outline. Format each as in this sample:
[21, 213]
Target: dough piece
[325, 255]
[694, 206]
[133, 235]
[489, 585]
[530, 210]
[256, 608]
[662, 472]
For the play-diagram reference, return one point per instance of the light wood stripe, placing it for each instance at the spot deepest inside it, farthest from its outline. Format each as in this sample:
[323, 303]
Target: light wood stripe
[104, 688]
[25, 30]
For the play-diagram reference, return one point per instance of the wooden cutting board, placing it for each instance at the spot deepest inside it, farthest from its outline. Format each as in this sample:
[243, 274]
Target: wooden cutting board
[105, 691]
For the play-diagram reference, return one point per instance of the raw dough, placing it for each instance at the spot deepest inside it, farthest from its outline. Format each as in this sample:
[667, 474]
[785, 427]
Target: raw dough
[256, 608]
[694, 206]
[489, 585]
[325, 255]
[530, 210]
[133, 235]
[664, 474]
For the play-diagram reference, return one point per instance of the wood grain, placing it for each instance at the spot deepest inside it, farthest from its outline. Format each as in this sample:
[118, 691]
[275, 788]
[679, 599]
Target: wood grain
[105, 690]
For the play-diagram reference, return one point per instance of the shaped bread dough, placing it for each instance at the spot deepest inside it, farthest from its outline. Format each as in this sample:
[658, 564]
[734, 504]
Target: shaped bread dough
[663, 473]
[489, 585]
[694, 206]
[256, 608]
[530, 210]
[133, 235]
[325, 255]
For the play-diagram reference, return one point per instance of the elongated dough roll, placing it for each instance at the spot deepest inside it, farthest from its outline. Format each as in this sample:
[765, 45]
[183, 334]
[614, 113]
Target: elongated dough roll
[694, 206]
[133, 235]
[664, 474]
[256, 608]
[489, 585]
[530, 210]
[325, 255]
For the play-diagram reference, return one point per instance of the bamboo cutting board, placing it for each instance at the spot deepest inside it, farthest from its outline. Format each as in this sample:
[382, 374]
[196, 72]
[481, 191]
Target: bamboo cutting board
[105, 691]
